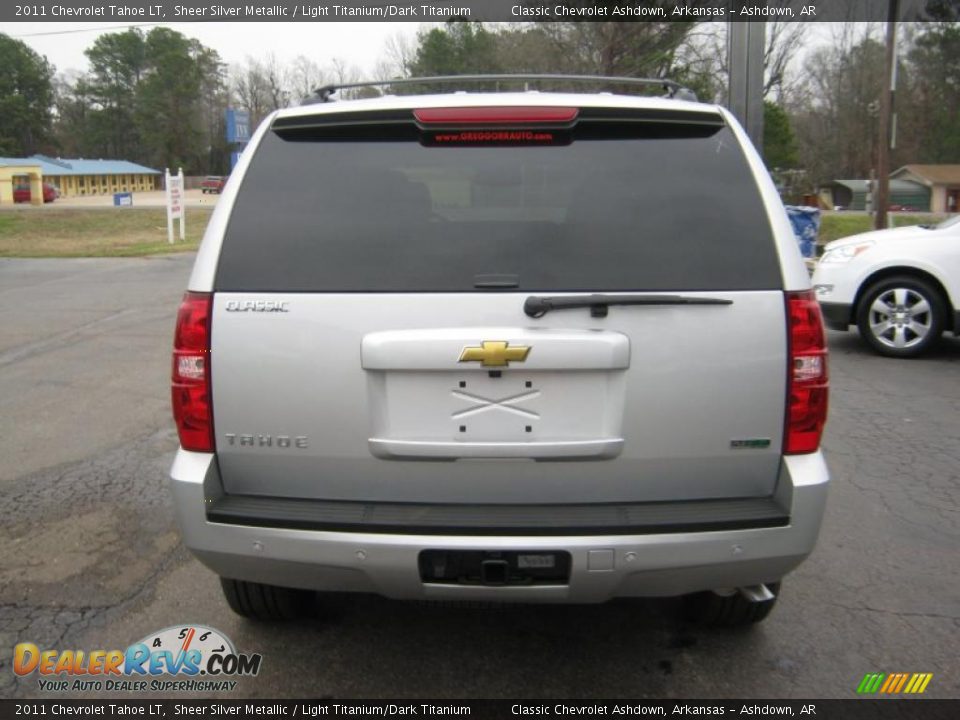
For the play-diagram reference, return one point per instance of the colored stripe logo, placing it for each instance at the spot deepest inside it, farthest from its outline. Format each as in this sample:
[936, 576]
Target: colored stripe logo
[894, 683]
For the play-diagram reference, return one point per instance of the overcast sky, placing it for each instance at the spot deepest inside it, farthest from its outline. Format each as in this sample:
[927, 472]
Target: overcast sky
[359, 44]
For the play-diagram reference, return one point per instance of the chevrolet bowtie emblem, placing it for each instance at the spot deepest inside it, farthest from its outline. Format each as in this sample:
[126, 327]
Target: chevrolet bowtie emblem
[494, 353]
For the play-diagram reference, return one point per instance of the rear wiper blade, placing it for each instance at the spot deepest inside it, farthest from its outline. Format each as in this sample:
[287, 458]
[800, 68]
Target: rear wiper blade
[537, 307]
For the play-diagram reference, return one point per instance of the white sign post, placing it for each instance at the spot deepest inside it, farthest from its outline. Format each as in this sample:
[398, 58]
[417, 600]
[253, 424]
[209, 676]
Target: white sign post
[175, 203]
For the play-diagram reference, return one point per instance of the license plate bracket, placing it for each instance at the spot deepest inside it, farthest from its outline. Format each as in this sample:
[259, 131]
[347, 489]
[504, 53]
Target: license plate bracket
[495, 567]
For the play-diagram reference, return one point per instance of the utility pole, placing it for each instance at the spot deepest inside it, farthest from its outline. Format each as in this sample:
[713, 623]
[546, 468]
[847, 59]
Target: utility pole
[745, 91]
[888, 125]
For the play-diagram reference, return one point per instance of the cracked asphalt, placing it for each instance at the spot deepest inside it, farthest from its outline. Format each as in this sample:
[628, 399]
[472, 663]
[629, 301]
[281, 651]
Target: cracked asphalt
[91, 557]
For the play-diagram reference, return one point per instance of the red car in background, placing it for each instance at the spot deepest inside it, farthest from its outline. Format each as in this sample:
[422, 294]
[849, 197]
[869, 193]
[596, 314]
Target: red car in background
[213, 184]
[21, 193]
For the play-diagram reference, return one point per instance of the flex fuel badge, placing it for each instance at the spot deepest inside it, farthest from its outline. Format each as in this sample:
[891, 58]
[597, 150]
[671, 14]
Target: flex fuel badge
[180, 658]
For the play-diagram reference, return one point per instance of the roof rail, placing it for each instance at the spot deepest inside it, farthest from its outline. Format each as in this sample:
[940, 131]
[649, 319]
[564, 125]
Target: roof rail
[673, 89]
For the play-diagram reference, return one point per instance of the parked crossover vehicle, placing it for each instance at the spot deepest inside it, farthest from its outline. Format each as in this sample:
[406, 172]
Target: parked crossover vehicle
[900, 287]
[516, 346]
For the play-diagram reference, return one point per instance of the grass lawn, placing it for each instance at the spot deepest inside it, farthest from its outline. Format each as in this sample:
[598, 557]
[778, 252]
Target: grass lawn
[129, 232]
[95, 232]
[838, 225]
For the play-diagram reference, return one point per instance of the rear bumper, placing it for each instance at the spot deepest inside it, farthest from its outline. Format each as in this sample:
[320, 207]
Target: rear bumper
[603, 566]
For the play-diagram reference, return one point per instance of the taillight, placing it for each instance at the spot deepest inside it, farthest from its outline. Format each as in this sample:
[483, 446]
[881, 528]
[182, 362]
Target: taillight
[495, 115]
[192, 400]
[807, 378]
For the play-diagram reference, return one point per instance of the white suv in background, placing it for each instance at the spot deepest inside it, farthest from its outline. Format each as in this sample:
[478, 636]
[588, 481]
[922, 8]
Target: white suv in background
[900, 287]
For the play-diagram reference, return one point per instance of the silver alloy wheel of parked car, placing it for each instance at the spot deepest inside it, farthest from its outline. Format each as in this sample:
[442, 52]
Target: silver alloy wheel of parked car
[901, 317]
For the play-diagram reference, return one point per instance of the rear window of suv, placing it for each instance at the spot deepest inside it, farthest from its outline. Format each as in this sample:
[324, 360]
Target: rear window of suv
[651, 204]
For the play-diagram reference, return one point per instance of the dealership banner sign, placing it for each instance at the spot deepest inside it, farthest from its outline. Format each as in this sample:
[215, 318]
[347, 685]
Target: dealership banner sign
[162, 708]
[484, 10]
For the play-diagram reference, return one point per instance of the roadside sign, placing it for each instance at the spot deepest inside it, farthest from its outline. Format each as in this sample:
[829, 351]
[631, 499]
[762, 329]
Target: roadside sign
[175, 203]
[238, 126]
[238, 133]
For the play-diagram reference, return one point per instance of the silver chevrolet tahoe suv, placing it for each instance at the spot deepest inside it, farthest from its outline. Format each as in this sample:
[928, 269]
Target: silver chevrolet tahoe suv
[500, 346]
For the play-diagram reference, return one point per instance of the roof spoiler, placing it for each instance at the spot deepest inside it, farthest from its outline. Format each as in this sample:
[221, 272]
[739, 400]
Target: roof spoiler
[671, 88]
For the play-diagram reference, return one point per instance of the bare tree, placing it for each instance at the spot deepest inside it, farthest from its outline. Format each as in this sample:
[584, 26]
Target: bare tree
[341, 71]
[783, 41]
[305, 77]
[344, 73]
[248, 89]
[275, 77]
[834, 111]
[399, 51]
[702, 57]
[260, 86]
[616, 48]
[706, 49]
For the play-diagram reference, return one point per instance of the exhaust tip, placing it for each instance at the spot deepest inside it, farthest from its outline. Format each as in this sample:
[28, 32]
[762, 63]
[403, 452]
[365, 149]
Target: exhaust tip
[756, 593]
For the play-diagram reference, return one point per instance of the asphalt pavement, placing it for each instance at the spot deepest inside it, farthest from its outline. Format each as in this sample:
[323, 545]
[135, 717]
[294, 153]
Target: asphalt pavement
[90, 557]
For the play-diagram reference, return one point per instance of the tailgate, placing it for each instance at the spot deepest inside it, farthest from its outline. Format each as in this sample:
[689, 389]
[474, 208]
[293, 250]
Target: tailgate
[369, 339]
[337, 399]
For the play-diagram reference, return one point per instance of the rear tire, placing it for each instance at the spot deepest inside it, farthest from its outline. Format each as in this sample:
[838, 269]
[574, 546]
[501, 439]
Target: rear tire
[267, 603]
[712, 610]
[901, 317]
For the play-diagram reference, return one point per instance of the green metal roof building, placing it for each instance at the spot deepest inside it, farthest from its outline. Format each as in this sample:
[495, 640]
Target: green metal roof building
[852, 194]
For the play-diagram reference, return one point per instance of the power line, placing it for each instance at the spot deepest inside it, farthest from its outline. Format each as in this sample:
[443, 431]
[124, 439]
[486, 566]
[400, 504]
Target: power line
[92, 29]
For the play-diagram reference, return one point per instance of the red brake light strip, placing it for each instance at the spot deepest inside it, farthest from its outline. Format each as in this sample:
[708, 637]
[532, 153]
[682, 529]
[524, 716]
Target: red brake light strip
[495, 115]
